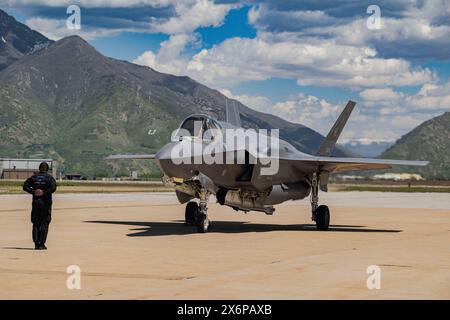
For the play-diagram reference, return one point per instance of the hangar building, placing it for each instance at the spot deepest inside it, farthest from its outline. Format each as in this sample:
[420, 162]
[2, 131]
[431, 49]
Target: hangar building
[21, 169]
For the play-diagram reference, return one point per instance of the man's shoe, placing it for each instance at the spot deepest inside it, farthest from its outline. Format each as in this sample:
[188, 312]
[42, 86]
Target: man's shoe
[37, 247]
[43, 247]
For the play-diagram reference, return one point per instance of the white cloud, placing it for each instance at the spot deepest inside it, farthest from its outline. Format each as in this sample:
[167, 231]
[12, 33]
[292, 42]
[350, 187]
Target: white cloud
[57, 29]
[148, 59]
[382, 94]
[168, 59]
[308, 110]
[429, 97]
[191, 15]
[259, 103]
[312, 62]
[412, 29]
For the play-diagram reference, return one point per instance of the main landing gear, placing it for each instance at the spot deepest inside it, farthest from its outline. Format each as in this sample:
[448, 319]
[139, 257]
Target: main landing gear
[197, 214]
[320, 214]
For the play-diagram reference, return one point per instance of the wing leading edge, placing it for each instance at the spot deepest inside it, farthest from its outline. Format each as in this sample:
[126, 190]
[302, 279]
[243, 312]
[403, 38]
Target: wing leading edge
[332, 164]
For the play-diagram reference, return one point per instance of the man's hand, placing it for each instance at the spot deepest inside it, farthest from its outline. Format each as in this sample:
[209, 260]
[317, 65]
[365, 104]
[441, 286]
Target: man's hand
[39, 193]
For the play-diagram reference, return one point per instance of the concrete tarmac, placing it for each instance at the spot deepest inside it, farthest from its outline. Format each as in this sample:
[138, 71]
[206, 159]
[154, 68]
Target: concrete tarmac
[135, 246]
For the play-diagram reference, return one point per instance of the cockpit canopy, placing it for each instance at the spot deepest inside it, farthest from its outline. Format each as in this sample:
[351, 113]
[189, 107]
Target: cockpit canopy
[197, 126]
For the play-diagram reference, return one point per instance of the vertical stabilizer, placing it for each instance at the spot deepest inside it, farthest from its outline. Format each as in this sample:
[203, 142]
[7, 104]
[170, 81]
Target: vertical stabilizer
[233, 115]
[329, 143]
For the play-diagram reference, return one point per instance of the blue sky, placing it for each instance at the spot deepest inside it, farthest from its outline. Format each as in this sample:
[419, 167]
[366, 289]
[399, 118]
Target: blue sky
[300, 60]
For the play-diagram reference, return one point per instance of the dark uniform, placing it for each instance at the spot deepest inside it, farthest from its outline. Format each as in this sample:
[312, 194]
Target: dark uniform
[41, 213]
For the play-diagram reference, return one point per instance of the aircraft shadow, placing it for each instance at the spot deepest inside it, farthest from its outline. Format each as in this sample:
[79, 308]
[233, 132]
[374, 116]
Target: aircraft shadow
[152, 229]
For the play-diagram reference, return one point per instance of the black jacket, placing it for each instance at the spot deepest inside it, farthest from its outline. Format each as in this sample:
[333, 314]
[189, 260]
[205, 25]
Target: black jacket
[43, 181]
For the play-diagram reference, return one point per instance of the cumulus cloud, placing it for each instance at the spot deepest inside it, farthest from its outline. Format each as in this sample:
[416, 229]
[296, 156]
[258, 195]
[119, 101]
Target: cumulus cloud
[410, 29]
[259, 103]
[312, 62]
[56, 29]
[168, 59]
[190, 15]
[382, 94]
[316, 47]
[432, 97]
[429, 97]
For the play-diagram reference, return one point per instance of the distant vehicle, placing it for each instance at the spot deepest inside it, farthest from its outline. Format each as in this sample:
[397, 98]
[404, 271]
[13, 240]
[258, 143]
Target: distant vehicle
[243, 185]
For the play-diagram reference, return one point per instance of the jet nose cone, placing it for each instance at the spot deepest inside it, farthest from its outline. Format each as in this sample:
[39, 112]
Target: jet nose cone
[165, 152]
[164, 160]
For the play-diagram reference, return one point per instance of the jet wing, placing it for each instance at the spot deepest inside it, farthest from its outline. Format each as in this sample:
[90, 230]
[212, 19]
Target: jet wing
[299, 165]
[130, 157]
[296, 166]
[334, 164]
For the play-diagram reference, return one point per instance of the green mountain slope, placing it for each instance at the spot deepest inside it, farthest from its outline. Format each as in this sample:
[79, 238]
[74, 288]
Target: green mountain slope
[429, 141]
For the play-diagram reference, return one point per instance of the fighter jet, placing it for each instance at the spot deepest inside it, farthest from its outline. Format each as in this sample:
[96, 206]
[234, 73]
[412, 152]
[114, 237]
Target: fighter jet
[239, 175]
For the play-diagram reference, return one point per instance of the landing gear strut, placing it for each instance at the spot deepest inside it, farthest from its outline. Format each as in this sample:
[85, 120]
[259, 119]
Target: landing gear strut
[197, 214]
[320, 214]
[202, 222]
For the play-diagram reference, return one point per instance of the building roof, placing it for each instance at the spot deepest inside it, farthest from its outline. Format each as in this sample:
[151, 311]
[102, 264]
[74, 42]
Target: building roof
[24, 159]
[20, 164]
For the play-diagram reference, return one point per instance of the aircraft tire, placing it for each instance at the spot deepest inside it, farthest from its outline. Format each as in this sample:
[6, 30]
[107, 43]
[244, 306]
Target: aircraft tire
[202, 223]
[322, 218]
[190, 213]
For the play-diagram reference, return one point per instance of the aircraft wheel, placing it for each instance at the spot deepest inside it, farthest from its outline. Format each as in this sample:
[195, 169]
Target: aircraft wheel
[202, 223]
[190, 213]
[322, 215]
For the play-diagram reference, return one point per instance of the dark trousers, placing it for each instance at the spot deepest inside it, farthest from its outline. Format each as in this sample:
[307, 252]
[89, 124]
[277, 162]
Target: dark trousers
[41, 216]
[40, 231]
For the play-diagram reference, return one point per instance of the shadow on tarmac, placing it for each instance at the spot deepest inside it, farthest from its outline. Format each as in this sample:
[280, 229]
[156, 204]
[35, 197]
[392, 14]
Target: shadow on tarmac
[153, 229]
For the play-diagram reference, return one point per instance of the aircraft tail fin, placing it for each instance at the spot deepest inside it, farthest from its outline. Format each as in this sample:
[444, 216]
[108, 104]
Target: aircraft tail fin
[233, 115]
[329, 143]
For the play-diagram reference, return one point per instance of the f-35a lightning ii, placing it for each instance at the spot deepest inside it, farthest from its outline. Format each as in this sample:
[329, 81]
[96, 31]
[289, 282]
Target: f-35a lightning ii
[200, 162]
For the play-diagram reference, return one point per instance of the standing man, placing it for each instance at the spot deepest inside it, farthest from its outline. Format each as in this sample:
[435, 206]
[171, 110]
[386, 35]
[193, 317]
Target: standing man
[41, 185]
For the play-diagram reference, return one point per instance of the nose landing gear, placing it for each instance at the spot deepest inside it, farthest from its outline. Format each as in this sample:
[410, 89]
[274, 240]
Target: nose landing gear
[190, 213]
[202, 222]
[197, 214]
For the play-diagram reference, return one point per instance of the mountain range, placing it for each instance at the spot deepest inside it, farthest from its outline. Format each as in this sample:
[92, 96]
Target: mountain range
[67, 101]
